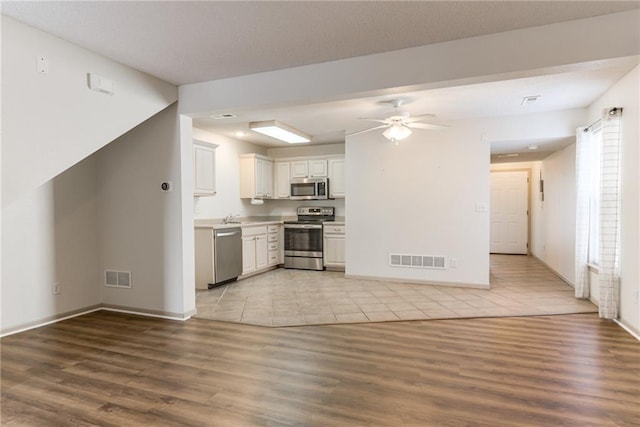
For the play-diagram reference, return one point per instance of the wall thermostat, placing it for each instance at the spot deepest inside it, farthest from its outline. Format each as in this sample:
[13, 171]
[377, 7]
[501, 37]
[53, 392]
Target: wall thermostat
[166, 186]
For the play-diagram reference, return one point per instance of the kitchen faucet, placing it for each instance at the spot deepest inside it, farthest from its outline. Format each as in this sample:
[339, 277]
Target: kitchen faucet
[229, 218]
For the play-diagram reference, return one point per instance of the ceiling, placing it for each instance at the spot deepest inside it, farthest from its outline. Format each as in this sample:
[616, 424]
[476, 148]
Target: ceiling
[220, 39]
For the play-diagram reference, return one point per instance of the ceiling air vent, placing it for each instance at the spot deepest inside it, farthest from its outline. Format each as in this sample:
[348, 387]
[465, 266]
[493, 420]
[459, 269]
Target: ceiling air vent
[223, 116]
[117, 279]
[437, 262]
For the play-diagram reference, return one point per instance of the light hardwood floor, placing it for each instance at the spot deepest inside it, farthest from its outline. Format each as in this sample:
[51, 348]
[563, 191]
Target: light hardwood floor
[520, 286]
[113, 369]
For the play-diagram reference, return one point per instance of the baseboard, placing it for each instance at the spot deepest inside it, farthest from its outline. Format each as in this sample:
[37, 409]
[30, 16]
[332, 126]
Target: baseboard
[51, 319]
[149, 313]
[628, 328]
[560, 276]
[420, 282]
[98, 307]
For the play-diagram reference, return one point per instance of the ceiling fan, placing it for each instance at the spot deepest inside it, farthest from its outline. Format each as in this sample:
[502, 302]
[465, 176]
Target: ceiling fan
[400, 123]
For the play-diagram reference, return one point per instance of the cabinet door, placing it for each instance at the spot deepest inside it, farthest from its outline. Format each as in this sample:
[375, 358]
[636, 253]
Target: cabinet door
[283, 178]
[334, 250]
[299, 169]
[261, 252]
[248, 254]
[267, 178]
[317, 168]
[204, 164]
[336, 179]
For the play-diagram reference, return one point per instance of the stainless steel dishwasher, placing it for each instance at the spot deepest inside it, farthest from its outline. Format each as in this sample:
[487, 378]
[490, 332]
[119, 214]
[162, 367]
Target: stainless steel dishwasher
[227, 255]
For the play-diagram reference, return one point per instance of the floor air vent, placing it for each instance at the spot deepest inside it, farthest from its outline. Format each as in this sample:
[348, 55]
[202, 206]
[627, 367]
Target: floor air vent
[117, 279]
[417, 261]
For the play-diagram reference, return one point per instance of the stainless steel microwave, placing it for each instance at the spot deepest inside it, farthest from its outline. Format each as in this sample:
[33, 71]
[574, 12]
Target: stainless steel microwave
[309, 189]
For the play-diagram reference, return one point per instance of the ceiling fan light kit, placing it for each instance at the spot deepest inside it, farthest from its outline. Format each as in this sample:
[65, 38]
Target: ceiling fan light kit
[397, 132]
[281, 131]
[397, 127]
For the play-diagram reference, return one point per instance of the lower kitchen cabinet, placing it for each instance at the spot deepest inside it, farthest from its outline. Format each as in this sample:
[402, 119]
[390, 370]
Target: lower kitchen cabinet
[260, 248]
[248, 254]
[334, 246]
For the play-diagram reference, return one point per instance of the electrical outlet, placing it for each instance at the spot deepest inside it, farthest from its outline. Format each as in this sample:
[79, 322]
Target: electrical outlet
[56, 289]
[635, 297]
[453, 262]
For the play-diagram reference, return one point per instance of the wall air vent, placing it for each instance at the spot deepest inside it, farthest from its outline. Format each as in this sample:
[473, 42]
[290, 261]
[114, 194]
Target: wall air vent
[437, 262]
[117, 279]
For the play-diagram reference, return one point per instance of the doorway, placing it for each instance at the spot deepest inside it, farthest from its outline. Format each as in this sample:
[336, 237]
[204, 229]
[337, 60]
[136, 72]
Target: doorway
[509, 212]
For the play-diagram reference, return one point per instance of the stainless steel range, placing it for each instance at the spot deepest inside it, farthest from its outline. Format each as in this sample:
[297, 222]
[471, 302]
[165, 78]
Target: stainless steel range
[303, 238]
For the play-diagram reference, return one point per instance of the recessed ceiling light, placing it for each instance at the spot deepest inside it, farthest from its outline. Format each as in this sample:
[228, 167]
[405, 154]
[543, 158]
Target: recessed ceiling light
[240, 134]
[528, 100]
[532, 147]
[223, 116]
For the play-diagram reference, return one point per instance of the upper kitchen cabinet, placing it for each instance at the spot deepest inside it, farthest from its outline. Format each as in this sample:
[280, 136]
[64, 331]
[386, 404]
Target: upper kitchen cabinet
[204, 168]
[336, 179]
[309, 168]
[282, 180]
[256, 176]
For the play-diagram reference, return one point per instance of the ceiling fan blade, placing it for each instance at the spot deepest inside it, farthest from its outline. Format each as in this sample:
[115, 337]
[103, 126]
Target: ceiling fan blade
[367, 130]
[430, 126]
[374, 120]
[420, 117]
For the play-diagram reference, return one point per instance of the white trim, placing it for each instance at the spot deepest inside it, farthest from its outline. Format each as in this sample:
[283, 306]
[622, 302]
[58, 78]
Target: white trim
[82, 313]
[420, 282]
[142, 313]
[49, 322]
[628, 329]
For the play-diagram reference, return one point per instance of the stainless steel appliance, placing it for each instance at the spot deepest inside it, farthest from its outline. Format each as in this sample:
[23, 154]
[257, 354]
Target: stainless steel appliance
[303, 238]
[227, 255]
[309, 189]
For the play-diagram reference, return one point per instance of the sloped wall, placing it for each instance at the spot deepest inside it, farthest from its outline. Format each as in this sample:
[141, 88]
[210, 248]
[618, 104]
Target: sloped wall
[51, 121]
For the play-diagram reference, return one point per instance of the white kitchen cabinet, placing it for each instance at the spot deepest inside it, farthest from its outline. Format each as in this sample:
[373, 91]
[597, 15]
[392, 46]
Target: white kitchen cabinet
[334, 246]
[274, 247]
[248, 254]
[299, 169]
[316, 168]
[262, 252]
[336, 179]
[255, 249]
[204, 168]
[282, 180]
[256, 177]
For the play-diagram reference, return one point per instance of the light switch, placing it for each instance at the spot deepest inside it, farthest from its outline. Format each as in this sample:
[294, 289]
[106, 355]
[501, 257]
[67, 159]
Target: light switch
[481, 207]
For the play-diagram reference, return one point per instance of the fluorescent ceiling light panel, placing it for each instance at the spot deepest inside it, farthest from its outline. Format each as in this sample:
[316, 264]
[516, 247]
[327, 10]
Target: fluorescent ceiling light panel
[281, 131]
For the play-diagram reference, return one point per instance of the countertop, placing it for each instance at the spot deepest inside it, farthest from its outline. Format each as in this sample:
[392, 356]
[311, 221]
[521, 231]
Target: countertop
[217, 223]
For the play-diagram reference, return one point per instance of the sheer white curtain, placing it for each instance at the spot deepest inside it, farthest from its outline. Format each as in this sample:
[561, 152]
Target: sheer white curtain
[584, 162]
[609, 274]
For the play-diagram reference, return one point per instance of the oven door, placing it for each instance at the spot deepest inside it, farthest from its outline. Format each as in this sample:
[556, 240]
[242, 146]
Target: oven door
[303, 240]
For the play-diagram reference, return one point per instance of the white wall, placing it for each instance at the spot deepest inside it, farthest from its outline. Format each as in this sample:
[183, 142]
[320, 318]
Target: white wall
[51, 235]
[626, 94]
[558, 212]
[141, 227]
[419, 197]
[52, 121]
[227, 198]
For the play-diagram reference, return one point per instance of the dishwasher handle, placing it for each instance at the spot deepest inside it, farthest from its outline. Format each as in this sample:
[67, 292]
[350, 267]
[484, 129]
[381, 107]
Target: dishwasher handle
[227, 233]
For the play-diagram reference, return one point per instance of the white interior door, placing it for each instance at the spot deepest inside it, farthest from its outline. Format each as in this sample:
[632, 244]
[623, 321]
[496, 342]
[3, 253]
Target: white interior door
[509, 205]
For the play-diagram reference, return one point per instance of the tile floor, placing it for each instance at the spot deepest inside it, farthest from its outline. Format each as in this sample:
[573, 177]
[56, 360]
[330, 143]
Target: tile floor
[520, 286]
